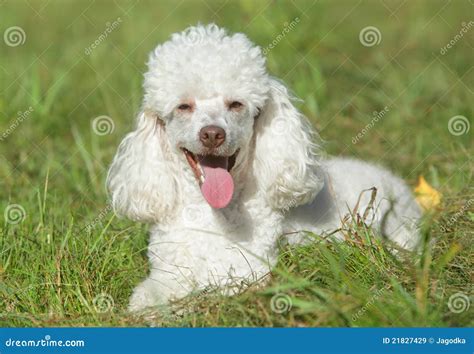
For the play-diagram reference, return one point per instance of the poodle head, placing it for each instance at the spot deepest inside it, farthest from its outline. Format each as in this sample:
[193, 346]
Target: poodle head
[210, 102]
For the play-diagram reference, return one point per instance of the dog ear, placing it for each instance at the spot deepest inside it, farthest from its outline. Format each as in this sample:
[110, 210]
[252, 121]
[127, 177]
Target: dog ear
[143, 180]
[286, 163]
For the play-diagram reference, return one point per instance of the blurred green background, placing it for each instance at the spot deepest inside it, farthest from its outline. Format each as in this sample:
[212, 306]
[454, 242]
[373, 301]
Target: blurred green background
[53, 164]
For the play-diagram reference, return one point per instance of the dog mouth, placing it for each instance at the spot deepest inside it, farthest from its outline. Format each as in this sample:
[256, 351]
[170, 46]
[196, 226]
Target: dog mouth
[213, 174]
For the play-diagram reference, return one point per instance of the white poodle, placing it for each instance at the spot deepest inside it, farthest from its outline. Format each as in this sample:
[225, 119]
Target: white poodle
[222, 164]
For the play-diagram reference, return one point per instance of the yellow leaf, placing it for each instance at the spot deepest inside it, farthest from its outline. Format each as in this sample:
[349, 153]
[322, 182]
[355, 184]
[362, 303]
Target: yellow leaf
[426, 196]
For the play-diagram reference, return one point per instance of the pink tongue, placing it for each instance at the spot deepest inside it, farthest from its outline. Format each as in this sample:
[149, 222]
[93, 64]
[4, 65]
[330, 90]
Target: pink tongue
[218, 186]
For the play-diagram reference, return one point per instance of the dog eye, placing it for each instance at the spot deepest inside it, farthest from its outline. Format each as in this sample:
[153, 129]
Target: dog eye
[185, 107]
[235, 105]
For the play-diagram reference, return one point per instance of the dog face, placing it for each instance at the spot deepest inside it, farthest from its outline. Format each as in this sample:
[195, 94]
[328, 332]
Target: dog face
[215, 126]
[211, 132]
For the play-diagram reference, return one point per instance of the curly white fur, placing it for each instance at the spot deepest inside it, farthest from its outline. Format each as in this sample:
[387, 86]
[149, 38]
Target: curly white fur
[282, 183]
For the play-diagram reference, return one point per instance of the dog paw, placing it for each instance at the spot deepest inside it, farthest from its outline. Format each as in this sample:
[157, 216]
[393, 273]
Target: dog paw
[144, 297]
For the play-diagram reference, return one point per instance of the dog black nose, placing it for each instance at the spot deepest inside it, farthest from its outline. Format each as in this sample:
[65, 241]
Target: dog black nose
[212, 136]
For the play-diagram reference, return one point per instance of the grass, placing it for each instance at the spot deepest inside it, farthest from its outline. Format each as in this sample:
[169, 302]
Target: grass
[69, 262]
